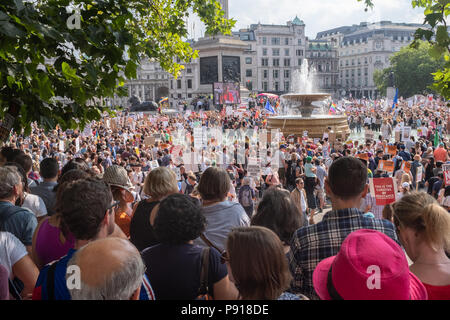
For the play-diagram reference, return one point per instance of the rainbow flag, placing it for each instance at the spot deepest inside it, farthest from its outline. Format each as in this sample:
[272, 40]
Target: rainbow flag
[332, 109]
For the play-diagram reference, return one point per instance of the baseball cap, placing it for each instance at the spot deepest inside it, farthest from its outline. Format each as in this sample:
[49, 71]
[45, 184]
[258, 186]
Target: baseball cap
[369, 266]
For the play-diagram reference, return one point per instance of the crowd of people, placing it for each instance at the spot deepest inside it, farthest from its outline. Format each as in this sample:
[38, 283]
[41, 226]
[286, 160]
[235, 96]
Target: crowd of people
[120, 199]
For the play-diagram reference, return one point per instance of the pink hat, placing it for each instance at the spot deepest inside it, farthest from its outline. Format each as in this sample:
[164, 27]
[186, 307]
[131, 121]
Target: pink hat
[369, 266]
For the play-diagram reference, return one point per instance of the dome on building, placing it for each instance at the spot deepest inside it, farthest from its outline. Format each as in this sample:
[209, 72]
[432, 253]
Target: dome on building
[297, 21]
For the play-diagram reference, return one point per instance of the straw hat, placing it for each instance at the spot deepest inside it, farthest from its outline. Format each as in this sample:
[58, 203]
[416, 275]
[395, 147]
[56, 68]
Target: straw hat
[117, 176]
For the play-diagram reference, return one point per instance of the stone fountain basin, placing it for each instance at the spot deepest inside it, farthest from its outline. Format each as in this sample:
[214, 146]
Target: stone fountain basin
[305, 98]
[316, 125]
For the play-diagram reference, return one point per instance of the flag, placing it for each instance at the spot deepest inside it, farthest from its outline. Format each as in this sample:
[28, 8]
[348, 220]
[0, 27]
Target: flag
[269, 107]
[436, 138]
[332, 109]
[395, 100]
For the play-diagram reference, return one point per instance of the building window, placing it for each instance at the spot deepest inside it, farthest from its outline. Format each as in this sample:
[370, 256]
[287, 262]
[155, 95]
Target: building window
[179, 96]
[366, 71]
[287, 62]
[346, 62]
[248, 60]
[353, 72]
[275, 41]
[188, 70]
[300, 62]
[299, 42]
[286, 41]
[365, 60]
[319, 68]
[366, 81]
[264, 85]
[299, 53]
[264, 52]
[346, 73]
[359, 72]
[249, 85]
[178, 84]
[189, 83]
[189, 95]
[286, 86]
[287, 73]
[276, 74]
[353, 62]
[248, 72]
[276, 62]
[286, 52]
[265, 62]
[264, 40]
[277, 86]
[265, 74]
[275, 52]
[171, 84]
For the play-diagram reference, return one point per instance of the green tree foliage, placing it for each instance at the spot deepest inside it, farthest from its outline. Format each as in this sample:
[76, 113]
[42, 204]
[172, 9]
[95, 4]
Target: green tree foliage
[44, 63]
[413, 69]
[436, 13]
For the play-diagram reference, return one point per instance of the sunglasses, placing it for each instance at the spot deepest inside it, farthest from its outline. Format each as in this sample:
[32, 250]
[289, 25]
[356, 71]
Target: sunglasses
[114, 206]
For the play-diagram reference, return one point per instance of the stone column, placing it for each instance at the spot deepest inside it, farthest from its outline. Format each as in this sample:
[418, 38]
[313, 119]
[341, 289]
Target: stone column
[143, 92]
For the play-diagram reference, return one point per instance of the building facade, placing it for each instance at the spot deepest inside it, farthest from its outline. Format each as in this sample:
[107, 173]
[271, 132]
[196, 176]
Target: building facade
[365, 48]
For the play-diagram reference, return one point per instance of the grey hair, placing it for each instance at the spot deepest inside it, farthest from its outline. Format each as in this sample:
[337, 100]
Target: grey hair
[119, 285]
[9, 177]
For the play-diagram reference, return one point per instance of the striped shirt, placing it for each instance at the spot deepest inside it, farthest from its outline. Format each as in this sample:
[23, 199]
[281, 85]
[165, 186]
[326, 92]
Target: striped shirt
[311, 244]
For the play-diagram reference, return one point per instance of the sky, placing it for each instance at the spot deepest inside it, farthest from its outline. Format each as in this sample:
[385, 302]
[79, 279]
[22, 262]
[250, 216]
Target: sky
[318, 15]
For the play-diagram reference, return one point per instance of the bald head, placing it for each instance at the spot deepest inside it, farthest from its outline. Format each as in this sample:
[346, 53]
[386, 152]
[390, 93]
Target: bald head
[110, 269]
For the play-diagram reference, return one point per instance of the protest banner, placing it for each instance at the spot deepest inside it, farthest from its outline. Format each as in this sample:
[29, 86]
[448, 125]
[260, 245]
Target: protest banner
[384, 190]
[386, 165]
[332, 137]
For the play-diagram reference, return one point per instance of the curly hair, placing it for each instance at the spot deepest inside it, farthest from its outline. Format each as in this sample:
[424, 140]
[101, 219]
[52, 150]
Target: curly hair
[83, 207]
[179, 220]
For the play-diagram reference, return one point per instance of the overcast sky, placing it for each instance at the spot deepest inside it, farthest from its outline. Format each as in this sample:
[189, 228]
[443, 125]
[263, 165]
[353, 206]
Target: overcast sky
[318, 15]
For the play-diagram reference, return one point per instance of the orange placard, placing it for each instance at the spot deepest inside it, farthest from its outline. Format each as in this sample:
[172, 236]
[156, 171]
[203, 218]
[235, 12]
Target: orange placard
[386, 165]
[406, 166]
[392, 150]
[363, 156]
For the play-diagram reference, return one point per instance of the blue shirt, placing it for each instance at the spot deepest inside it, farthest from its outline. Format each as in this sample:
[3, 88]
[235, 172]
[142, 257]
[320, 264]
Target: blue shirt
[21, 224]
[60, 289]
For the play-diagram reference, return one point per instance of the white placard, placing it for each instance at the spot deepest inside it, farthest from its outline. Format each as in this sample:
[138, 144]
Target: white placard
[77, 144]
[154, 164]
[61, 146]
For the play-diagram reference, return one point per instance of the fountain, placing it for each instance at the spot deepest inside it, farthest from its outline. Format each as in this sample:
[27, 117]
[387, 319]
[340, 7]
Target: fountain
[300, 111]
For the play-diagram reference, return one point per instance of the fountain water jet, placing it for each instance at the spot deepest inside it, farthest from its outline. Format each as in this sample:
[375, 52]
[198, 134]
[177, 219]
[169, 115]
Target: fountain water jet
[298, 109]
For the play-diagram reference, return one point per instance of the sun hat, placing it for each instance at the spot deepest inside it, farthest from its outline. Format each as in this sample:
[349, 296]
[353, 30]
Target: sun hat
[368, 266]
[117, 176]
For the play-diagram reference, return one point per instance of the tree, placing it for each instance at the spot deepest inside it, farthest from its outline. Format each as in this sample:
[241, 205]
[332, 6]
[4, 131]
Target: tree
[436, 13]
[380, 78]
[54, 72]
[412, 68]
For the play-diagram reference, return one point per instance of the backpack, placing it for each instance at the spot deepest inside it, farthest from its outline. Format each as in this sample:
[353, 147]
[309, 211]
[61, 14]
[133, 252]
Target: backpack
[246, 197]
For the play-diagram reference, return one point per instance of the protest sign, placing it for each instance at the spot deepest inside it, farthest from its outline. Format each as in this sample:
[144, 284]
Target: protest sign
[384, 190]
[446, 169]
[363, 156]
[406, 134]
[397, 136]
[148, 141]
[369, 135]
[154, 164]
[332, 137]
[61, 146]
[392, 150]
[406, 166]
[177, 173]
[386, 165]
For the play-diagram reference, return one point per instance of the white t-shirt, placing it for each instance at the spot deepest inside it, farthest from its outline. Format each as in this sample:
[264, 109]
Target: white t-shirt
[11, 251]
[35, 204]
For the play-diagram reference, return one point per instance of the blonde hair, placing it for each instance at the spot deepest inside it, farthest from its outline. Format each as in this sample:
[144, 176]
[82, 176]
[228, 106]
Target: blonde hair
[160, 182]
[406, 178]
[421, 212]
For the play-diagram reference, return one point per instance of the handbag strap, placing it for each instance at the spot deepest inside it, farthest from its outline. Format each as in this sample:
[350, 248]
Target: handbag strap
[51, 282]
[209, 243]
[204, 272]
